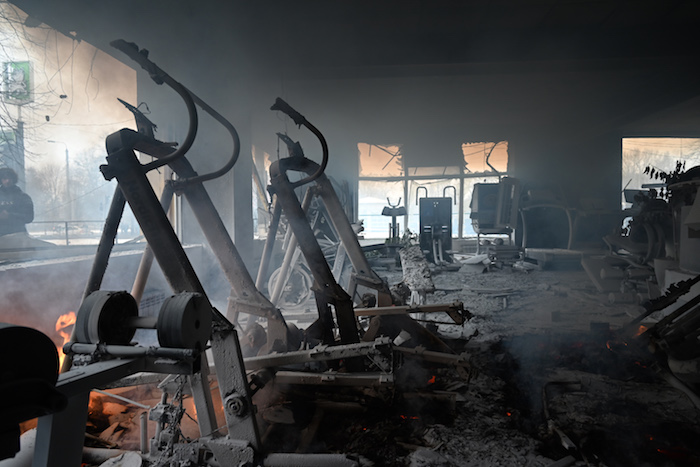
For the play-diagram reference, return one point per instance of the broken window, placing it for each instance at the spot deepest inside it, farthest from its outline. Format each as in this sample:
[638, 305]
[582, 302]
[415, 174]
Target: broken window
[378, 160]
[383, 175]
[468, 230]
[374, 196]
[660, 155]
[482, 158]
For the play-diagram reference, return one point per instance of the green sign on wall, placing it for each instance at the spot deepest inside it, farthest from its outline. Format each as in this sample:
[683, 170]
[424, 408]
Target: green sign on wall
[16, 82]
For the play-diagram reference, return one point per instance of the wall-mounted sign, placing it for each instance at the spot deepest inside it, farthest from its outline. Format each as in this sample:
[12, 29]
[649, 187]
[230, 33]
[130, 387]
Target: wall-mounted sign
[17, 82]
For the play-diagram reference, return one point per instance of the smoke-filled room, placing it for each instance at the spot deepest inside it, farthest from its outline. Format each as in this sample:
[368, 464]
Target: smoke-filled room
[389, 234]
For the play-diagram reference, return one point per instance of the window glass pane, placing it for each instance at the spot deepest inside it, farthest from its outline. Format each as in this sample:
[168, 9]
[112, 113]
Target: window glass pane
[468, 190]
[476, 154]
[380, 160]
[371, 202]
[661, 154]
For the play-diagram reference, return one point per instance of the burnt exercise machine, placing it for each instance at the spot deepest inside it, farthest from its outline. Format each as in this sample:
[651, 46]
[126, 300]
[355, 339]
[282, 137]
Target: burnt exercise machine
[187, 322]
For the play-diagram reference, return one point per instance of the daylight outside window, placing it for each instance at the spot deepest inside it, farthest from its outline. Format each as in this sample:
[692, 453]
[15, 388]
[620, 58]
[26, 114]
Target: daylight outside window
[383, 175]
[659, 154]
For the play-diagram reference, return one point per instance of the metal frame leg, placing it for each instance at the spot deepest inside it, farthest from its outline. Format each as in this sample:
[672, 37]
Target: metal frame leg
[60, 437]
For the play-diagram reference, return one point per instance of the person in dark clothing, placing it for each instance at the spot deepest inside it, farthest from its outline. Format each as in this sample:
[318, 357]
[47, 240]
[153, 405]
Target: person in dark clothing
[16, 207]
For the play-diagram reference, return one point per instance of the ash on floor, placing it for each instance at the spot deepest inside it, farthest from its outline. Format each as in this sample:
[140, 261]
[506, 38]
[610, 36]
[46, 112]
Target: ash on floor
[551, 382]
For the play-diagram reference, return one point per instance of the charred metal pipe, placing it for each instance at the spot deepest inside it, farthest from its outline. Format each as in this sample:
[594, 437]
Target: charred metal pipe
[129, 351]
[436, 357]
[319, 353]
[566, 442]
[121, 398]
[143, 438]
[455, 310]
[309, 460]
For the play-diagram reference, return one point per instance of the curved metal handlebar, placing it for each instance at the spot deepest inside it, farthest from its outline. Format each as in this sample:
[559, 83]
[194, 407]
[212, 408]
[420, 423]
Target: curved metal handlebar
[234, 136]
[454, 190]
[299, 119]
[418, 189]
[160, 77]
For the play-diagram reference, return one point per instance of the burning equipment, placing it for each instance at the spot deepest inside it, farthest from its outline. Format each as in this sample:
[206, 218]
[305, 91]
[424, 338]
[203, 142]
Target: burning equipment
[326, 288]
[190, 329]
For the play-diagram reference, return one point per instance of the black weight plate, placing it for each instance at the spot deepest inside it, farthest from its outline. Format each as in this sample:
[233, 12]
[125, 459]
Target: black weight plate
[184, 321]
[104, 317]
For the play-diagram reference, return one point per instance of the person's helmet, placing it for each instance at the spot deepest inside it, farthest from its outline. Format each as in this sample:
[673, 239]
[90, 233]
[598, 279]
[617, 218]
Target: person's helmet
[6, 172]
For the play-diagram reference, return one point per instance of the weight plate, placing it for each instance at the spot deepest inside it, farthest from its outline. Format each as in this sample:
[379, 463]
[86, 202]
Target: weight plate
[104, 317]
[184, 321]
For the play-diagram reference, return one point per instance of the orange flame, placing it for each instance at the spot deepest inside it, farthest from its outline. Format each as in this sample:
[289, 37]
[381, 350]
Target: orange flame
[432, 380]
[641, 330]
[62, 324]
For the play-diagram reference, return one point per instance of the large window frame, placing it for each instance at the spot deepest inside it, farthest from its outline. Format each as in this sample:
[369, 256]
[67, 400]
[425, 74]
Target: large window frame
[482, 163]
[658, 153]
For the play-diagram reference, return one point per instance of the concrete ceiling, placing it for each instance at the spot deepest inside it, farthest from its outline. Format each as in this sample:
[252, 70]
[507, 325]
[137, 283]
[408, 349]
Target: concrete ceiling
[367, 35]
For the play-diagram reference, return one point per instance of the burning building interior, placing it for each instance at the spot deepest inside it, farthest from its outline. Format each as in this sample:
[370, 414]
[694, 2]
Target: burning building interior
[390, 234]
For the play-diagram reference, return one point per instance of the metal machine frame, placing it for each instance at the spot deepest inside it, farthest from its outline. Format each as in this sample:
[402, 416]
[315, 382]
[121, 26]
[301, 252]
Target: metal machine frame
[60, 436]
[326, 288]
[435, 218]
[187, 321]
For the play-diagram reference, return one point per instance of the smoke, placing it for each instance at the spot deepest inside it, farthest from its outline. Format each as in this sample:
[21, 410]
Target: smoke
[59, 132]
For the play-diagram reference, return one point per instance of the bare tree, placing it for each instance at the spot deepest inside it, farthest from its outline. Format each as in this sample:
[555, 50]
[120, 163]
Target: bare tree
[654, 153]
[91, 192]
[46, 185]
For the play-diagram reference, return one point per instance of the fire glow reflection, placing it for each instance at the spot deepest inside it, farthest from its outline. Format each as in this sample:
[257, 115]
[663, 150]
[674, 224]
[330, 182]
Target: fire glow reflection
[63, 324]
